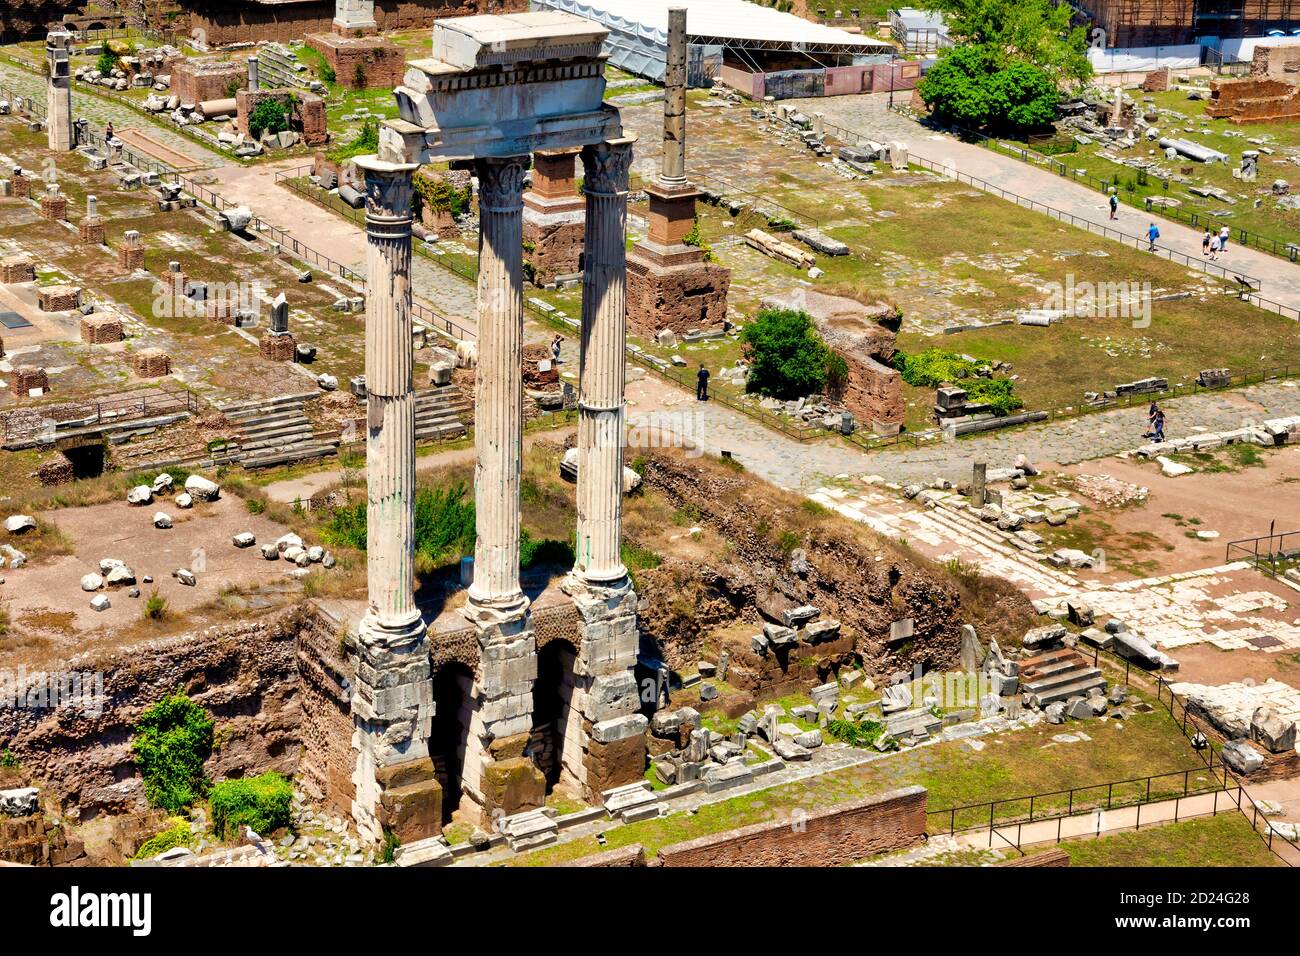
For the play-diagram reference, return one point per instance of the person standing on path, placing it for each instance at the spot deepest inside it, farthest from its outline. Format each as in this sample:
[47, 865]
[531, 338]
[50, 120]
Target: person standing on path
[702, 384]
[108, 133]
[1114, 204]
[555, 348]
[1205, 243]
[1152, 235]
[1223, 239]
[1214, 248]
[1159, 426]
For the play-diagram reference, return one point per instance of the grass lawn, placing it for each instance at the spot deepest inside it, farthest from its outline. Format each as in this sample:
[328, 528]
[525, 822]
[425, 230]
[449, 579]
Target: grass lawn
[1223, 840]
[1009, 766]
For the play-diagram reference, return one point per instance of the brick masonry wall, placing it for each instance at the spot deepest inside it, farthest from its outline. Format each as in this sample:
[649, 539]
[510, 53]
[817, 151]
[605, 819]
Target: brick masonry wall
[239, 21]
[680, 299]
[325, 771]
[382, 62]
[831, 836]
[54, 208]
[196, 83]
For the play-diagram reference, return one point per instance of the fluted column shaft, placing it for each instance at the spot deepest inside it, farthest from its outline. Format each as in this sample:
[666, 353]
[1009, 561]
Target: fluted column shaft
[603, 363]
[673, 168]
[499, 387]
[390, 395]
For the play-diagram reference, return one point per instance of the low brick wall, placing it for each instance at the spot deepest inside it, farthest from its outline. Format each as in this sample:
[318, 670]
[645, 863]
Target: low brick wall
[196, 81]
[277, 348]
[829, 837]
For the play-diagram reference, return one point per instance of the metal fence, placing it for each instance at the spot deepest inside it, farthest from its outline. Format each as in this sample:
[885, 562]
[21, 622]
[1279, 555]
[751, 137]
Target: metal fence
[90, 414]
[1273, 553]
[1005, 817]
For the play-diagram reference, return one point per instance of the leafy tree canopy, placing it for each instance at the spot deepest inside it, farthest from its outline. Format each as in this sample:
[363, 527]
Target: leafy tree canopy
[1037, 32]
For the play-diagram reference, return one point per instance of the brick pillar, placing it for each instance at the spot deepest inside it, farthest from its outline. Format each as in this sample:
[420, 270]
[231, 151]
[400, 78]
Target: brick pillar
[54, 205]
[91, 227]
[130, 254]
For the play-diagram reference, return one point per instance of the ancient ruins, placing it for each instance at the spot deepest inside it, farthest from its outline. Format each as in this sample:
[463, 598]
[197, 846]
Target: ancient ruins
[417, 452]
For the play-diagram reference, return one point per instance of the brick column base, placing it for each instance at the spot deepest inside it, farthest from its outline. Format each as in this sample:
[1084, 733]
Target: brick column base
[91, 230]
[54, 208]
[278, 346]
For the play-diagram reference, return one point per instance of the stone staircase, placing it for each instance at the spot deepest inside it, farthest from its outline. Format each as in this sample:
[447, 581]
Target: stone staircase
[275, 431]
[441, 414]
[1058, 675]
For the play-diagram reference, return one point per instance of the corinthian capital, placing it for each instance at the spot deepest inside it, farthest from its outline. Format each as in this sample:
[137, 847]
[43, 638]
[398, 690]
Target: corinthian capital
[606, 166]
[501, 183]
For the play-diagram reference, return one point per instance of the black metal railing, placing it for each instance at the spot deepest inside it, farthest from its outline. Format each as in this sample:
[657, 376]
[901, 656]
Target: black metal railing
[1273, 553]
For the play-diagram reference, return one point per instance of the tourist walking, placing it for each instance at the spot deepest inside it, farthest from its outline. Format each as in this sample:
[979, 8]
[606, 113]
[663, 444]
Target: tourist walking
[702, 384]
[1214, 247]
[1223, 239]
[1152, 412]
[108, 133]
[1158, 426]
[1114, 204]
[555, 348]
[1205, 242]
[1152, 235]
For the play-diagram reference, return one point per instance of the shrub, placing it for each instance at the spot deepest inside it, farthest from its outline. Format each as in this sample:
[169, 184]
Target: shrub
[327, 74]
[270, 115]
[178, 834]
[444, 524]
[788, 359]
[856, 733]
[106, 63]
[693, 238]
[934, 366]
[155, 607]
[262, 803]
[172, 740]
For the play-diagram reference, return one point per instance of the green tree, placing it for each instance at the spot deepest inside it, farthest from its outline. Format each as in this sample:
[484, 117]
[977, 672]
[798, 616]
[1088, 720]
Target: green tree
[1037, 32]
[974, 87]
[270, 115]
[172, 740]
[787, 358]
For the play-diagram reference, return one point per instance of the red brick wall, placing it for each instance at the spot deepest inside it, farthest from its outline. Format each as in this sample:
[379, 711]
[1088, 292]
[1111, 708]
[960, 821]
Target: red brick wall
[231, 21]
[383, 63]
[829, 837]
[196, 84]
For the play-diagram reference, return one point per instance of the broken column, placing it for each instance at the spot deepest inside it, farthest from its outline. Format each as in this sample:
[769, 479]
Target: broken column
[979, 474]
[553, 218]
[58, 109]
[92, 226]
[392, 707]
[277, 343]
[354, 17]
[607, 692]
[130, 254]
[507, 780]
[253, 80]
[670, 284]
[54, 205]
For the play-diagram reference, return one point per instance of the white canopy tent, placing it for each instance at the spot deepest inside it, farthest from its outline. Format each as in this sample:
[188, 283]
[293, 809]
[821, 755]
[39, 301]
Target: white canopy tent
[639, 31]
